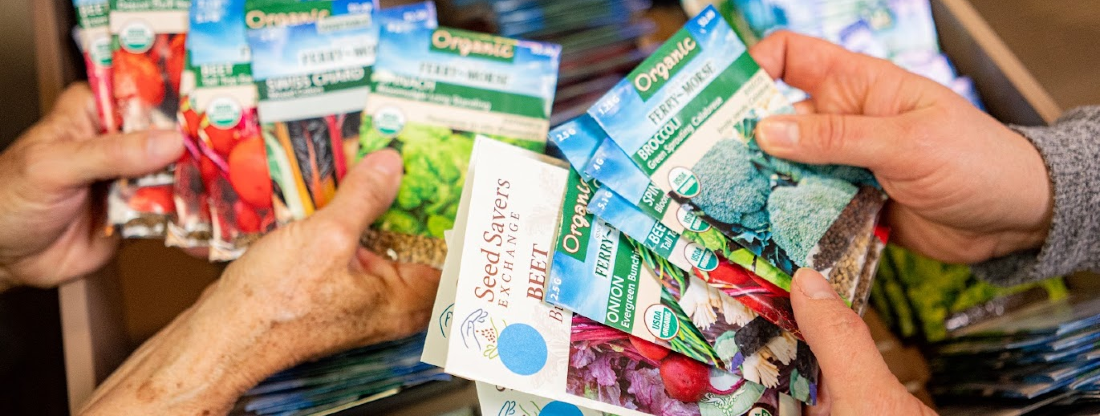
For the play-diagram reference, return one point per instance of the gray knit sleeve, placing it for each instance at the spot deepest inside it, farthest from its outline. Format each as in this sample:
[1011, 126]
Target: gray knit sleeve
[1071, 150]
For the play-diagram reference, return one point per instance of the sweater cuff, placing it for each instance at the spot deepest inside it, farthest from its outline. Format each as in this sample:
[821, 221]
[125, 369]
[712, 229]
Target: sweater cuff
[1071, 151]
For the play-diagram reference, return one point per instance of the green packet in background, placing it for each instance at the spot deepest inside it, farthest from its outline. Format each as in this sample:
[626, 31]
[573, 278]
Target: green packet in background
[434, 90]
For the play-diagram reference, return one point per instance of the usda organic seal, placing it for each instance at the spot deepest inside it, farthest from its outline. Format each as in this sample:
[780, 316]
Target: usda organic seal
[389, 121]
[224, 113]
[137, 37]
[684, 182]
[700, 257]
[690, 221]
[661, 322]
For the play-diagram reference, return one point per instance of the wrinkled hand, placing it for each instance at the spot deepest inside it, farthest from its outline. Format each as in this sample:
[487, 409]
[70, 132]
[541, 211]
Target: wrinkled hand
[50, 222]
[855, 379]
[964, 187]
[304, 291]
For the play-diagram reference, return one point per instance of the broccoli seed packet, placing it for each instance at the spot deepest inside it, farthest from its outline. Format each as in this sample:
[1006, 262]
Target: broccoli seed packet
[311, 64]
[147, 43]
[686, 116]
[433, 91]
[504, 334]
[95, 44]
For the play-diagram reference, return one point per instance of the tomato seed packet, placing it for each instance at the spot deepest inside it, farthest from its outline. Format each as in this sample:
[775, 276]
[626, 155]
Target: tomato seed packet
[433, 91]
[504, 334]
[686, 117]
[311, 64]
[95, 43]
[147, 38]
[223, 188]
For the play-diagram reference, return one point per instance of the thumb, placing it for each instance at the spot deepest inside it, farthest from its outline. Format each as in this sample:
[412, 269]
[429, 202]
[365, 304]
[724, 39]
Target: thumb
[839, 339]
[366, 192]
[869, 142]
[79, 163]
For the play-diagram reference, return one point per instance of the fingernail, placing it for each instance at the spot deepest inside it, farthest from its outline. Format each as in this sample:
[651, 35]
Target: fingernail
[779, 133]
[387, 164]
[162, 144]
[813, 284]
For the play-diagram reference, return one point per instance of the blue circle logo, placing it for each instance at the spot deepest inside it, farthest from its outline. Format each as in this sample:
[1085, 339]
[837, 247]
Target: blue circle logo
[522, 349]
[560, 409]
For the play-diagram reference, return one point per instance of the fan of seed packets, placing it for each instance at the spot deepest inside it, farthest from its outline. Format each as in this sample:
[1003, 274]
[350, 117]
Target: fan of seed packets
[492, 324]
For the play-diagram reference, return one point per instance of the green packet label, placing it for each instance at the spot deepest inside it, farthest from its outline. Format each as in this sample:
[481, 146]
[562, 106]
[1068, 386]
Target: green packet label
[217, 45]
[91, 13]
[433, 91]
[149, 5]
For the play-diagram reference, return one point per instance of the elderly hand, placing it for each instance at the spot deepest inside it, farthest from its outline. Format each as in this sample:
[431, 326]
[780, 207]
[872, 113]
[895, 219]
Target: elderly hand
[855, 379]
[304, 291]
[51, 227]
[964, 188]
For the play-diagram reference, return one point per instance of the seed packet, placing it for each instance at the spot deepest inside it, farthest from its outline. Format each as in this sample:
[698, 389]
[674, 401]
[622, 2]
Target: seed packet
[223, 190]
[148, 51]
[432, 92]
[95, 43]
[698, 98]
[496, 400]
[606, 276]
[507, 336]
[311, 64]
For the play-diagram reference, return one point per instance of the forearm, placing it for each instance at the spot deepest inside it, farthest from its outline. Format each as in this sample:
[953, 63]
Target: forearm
[200, 364]
[1071, 151]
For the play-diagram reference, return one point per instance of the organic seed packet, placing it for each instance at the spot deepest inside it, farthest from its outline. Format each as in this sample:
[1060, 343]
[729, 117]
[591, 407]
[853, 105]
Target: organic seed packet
[225, 169]
[311, 64]
[433, 91]
[686, 117]
[95, 43]
[147, 42]
[496, 400]
[507, 336]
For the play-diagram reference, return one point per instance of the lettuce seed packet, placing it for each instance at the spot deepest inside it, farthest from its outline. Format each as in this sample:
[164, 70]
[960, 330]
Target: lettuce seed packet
[685, 117]
[434, 90]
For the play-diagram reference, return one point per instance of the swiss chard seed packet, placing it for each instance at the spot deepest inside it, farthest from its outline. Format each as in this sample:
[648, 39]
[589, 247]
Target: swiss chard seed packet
[686, 116]
[311, 64]
[92, 16]
[504, 334]
[222, 181]
[147, 38]
[433, 91]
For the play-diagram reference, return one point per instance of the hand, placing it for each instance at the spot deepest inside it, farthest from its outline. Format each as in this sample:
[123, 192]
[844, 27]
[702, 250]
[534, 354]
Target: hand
[51, 226]
[855, 379]
[304, 291]
[964, 188]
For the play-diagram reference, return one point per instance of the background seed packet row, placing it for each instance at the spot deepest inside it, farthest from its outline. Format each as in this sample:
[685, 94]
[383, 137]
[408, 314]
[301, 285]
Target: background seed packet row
[147, 63]
[433, 92]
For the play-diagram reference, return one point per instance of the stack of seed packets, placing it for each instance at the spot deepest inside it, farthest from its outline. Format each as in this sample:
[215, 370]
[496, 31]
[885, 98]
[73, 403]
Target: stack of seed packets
[491, 322]
[433, 91]
[1023, 358]
[350, 378]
